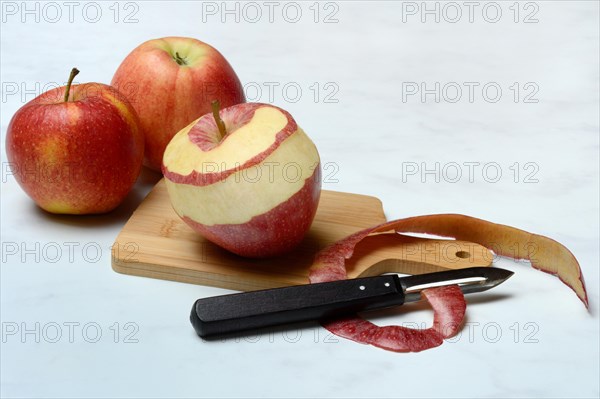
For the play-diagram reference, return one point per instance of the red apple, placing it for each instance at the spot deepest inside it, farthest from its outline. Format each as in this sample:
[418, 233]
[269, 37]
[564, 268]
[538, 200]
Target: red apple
[76, 149]
[246, 178]
[171, 82]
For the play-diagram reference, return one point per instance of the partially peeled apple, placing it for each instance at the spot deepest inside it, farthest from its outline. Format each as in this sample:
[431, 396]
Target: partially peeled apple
[246, 178]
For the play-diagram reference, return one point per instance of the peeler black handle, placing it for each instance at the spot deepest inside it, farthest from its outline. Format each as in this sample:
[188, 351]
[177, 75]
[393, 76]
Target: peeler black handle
[226, 314]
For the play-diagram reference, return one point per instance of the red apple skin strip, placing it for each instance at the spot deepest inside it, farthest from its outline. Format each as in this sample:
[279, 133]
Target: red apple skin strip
[544, 253]
[448, 304]
[392, 338]
[449, 307]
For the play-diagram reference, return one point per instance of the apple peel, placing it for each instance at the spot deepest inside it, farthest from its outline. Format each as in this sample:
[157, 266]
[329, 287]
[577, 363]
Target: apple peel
[544, 254]
[449, 307]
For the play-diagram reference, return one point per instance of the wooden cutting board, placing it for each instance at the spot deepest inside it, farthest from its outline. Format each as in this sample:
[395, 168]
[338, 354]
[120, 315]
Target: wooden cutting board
[156, 243]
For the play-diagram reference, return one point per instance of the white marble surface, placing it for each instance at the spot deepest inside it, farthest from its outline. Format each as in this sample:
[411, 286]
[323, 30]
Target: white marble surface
[367, 137]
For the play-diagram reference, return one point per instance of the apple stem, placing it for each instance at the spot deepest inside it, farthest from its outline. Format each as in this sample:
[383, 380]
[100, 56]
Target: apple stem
[220, 124]
[74, 73]
[179, 60]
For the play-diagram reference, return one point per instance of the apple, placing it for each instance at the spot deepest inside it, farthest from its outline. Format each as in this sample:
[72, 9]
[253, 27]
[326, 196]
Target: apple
[246, 178]
[76, 149]
[171, 82]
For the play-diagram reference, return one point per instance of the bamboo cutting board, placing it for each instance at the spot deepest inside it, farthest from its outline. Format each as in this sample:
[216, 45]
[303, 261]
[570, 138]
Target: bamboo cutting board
[156, 243]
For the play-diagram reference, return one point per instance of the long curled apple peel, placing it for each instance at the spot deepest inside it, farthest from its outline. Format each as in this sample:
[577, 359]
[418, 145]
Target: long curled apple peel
[544, 253]
[447, 302]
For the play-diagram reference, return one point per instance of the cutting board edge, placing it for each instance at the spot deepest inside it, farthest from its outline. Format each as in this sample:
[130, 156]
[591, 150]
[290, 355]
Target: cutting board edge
[198, 278]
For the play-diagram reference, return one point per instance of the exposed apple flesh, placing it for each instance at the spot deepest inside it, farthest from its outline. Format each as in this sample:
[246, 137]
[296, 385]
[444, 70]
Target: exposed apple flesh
[76, 149]
[254, 190]
[171, 82]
